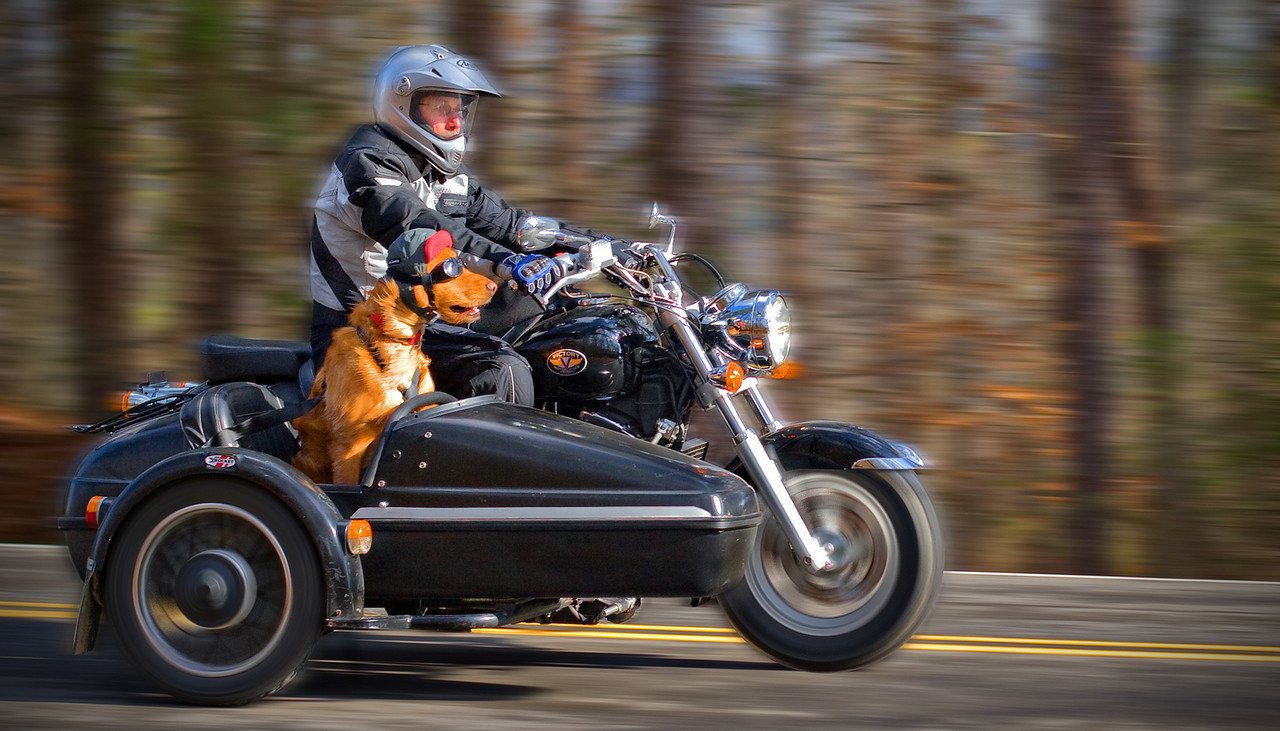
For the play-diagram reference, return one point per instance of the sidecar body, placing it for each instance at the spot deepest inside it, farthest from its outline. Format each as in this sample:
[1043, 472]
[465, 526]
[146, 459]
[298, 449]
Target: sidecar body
[482, 512]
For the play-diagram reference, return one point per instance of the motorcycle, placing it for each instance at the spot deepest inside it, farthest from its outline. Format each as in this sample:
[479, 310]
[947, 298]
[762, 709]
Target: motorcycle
[219, 564]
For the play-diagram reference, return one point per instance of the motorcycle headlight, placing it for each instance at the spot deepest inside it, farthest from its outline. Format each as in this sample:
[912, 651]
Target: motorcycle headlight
[757, 322]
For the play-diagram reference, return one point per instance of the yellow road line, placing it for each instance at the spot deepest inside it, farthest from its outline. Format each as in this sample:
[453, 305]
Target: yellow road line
[1091, 653]
[37, 610]
[1032, 646]
[644, 627]
[1098, 643]
[935, 643]
[554, 629]
[43, 605]
[606, 635]
[36, 614]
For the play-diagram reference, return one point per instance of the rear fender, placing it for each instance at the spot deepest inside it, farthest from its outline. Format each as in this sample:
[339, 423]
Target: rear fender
[343, 573]
[826, 445]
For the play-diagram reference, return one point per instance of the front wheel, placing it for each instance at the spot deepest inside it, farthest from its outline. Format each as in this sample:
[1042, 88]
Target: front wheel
[214, 590]
[887, 550]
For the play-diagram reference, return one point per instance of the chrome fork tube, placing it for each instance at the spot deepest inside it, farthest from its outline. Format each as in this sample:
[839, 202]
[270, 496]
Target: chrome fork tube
[768, 421]
[750, 449]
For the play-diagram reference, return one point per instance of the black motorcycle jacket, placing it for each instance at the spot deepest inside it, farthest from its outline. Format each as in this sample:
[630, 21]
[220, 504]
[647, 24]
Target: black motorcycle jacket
[377, 190]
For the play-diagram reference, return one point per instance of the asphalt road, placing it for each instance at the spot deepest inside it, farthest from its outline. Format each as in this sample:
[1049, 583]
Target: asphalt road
[1001, 651]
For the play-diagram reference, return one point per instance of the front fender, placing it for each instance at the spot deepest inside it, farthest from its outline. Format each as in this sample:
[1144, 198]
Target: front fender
[344, 574]
[826, 445]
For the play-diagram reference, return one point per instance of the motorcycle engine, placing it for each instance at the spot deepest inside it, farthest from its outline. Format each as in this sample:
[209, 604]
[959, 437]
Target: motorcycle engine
[602, 363]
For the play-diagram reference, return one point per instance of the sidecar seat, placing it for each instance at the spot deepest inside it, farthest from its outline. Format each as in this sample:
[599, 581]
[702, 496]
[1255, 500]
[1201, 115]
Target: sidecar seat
[224, 416]
[227, 358]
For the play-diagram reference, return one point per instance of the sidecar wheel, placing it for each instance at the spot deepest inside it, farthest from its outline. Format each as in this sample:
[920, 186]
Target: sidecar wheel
[887, 551]
[214, 590]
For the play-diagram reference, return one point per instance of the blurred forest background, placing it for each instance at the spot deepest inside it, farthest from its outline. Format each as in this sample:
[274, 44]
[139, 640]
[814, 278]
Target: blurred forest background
[1037, 240]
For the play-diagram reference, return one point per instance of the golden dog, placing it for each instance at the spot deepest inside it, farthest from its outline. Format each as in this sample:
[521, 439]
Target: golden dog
[372, 364]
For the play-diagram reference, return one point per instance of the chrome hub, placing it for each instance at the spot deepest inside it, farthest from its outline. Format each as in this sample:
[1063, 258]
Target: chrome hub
[215, 589]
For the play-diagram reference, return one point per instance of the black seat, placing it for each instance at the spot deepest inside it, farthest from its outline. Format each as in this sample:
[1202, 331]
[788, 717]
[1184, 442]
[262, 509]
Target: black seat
[220, 417]
[226, 358]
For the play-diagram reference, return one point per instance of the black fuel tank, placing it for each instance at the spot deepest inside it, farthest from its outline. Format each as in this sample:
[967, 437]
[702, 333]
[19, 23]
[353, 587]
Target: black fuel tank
[586, 353]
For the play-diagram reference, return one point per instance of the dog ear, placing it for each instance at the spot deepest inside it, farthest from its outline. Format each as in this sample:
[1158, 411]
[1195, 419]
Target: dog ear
[440, 256]
[420, 297]
[436, 244]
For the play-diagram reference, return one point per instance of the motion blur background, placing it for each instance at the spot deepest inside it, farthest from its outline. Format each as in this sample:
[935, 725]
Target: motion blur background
[1037, 240]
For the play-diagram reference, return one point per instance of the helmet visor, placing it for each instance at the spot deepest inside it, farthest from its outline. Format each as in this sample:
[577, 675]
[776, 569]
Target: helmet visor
[446, 115]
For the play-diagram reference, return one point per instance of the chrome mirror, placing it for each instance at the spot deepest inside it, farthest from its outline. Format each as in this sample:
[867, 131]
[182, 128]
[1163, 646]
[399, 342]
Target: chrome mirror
[536, 233]
[656, 217]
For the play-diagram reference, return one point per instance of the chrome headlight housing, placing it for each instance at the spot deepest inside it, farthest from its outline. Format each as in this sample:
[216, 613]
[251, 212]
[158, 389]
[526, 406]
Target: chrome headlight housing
[754, 325]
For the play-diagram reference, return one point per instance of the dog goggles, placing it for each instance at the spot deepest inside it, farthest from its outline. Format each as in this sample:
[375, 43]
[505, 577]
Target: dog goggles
[447, 269]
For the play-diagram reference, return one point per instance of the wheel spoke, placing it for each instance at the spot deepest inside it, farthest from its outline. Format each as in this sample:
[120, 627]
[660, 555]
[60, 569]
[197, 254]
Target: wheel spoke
[189, 533]
[214, 589]
[844, 514]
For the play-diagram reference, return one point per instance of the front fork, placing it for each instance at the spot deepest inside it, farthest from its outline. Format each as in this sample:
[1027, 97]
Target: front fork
[762, 468]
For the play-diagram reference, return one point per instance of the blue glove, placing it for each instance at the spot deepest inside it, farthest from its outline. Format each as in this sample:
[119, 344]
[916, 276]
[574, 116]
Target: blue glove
[533, 273]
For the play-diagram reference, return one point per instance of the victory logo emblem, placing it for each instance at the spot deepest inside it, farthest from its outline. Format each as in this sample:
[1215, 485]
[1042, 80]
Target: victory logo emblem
[566, 362]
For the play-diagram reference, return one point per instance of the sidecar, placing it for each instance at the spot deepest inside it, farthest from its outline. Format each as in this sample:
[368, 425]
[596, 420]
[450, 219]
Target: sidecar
[219, 564]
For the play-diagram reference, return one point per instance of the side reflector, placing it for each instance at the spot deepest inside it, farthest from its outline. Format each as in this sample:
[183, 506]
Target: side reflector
[359, 537]
[91, 511]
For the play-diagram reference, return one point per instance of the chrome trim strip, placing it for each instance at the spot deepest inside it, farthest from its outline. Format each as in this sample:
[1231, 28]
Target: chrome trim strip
[515, 514]
[888, 463]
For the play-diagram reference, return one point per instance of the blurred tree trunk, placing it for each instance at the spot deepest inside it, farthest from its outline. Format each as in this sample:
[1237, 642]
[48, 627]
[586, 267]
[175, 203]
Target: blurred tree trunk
[679, 146]
[942, 185]
[792, 258]
[895, 135]
[485, 30]
[799, 142]
[1130, 172]
[94, 185]
[205, 53]
[474, 31]
[1175, 530]
[573, 91]
[1267, 15]
[1182, 95]
[1077, 170]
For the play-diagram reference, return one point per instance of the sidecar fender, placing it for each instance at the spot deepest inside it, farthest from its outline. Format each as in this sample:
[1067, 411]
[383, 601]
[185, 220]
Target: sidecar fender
[835, 445]
[343, 572]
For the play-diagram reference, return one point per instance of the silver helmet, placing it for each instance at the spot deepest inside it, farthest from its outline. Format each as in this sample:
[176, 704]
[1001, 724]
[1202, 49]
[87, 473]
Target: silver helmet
[426, 96]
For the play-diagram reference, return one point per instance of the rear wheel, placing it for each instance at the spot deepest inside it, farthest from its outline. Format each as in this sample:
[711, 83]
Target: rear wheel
[214, 590]
[886, 549]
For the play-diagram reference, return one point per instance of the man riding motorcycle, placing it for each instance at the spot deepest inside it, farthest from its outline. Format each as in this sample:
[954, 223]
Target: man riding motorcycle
[405, 172]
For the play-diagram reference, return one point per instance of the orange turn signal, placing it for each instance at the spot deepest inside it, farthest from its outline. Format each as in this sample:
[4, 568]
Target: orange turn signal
[91, 511]
[734, 375]
[786, 369]
[359, 537]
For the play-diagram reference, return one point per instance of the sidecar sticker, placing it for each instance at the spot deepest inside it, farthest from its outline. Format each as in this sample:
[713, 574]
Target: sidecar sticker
[579, 512]
[220, 461]
[566, 362]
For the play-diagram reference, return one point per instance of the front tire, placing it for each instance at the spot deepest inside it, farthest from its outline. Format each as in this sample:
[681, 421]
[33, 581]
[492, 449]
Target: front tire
[214, 590]
[888, 555]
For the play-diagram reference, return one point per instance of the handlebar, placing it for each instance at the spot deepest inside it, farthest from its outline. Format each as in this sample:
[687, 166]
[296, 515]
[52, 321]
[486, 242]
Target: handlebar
[593, 257]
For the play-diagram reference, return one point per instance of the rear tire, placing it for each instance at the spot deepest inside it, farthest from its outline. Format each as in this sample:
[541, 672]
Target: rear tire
[215, 591]
[888, 554]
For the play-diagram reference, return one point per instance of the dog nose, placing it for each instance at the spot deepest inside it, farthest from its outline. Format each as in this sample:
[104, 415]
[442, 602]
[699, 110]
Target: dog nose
[491, 285]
